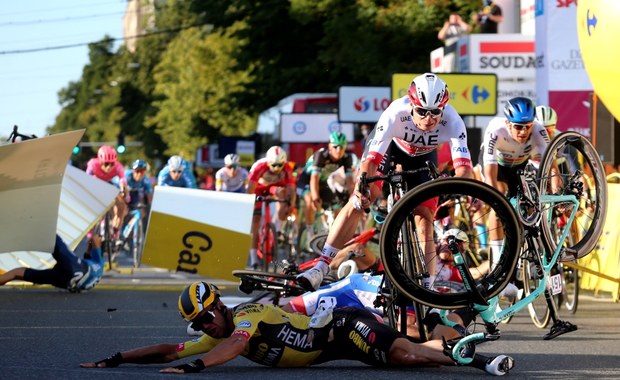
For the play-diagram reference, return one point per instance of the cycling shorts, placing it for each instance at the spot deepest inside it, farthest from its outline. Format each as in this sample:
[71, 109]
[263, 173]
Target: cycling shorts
[359, 335]
[506, 174]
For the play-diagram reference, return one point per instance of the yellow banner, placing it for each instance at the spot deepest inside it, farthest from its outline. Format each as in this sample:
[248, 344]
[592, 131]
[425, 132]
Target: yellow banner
[605, 258]
[470, 94]
[188, 246]
[199, 231]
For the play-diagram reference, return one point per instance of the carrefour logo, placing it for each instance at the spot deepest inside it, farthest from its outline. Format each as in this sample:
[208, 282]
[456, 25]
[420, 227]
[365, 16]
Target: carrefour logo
[334, 126]
[476, 94]
[300, 127]
[361, 104]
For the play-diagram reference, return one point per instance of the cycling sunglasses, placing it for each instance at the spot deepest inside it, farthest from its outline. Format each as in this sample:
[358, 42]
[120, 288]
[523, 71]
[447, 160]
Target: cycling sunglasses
[176, 171]
[232, 166]
[520, 127]
[336, 146]
[422, 112]
[276, 165]
[140, 171]
[202, 320]
[107, 164]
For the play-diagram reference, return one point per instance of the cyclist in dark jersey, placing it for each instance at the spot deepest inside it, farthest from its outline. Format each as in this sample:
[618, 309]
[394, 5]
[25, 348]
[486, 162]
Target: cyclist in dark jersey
[267, 335]
[312, 184]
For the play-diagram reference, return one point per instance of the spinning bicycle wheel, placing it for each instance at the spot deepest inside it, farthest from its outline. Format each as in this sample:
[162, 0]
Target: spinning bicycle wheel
[582, 173]
[267, 246]
[409, 280]
[538, 308]
[137, 243]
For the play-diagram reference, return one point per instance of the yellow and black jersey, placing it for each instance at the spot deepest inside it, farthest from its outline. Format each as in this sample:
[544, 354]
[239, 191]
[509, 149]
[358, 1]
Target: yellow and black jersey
[276, 338]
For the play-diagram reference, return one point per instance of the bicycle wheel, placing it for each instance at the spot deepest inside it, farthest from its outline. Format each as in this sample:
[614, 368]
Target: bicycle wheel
[582, 173]
[268, 246]
[410, 283]
[570, 288]
[538, 308]
[137, 242]
[252, 280]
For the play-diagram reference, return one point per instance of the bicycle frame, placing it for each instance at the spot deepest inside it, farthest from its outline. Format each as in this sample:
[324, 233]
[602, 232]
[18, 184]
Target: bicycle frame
[489, 311]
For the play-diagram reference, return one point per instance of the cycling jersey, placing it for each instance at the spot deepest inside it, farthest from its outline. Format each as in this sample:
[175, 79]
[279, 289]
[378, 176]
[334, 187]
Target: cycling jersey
[137, 189]
[233, 184]
[322, 164]
[265, 179]
[186, 179]
[93, 167]
[396, 125]
[500, 148]
[281, 339]
[357, 290]
[276, 338]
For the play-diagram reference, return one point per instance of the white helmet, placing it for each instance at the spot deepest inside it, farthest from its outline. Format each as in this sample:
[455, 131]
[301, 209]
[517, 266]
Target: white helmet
[176, 163]
[546, 116]
[231, 159]
[276, 156]
[458, 235]
[428, 91]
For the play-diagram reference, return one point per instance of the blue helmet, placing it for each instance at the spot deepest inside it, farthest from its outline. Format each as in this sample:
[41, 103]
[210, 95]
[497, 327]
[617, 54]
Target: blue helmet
[519, 110]
[139, 165]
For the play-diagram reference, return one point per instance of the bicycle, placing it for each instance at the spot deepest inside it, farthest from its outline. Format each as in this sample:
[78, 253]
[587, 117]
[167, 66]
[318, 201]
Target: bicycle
[133, 233]
[267, 236]
[526, 220]
[323, 220]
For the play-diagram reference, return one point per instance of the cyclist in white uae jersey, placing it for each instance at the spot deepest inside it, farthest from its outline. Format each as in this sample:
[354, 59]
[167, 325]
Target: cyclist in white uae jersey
[407, 134]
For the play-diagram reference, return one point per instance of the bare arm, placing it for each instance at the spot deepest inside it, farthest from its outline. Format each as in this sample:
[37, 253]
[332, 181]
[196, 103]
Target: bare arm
[220, 354]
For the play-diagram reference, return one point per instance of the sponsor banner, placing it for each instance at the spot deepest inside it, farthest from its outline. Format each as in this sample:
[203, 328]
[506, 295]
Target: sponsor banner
[357, 104]
[83, 201]
[245, 150]
[30, 186]
[528, 20]
[312, 127]
[604, 259]
[437, 61]
[505, 91]
[197, 231]
[573, 109]
[470, 94]
[558, 57]
[506, 55]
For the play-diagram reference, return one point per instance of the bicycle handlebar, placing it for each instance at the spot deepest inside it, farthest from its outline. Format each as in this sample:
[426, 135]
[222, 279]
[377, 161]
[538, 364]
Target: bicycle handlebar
[268, 199]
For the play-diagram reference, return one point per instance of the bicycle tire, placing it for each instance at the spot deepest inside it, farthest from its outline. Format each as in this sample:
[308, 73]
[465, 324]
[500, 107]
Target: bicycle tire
[538, 308]
[570, 288]
[268, 246]
[269, 281]
[579, 154]
[138, 246]
[488, 285]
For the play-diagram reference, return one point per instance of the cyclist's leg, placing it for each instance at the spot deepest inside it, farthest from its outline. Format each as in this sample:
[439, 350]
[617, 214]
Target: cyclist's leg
[256, 217]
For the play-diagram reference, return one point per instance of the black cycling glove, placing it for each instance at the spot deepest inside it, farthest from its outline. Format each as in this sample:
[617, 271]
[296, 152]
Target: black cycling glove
[112, 361]
[193, 367]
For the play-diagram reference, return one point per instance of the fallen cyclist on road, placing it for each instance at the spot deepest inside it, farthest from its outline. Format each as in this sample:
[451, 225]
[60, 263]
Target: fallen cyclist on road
[70, 272]
[267, 335]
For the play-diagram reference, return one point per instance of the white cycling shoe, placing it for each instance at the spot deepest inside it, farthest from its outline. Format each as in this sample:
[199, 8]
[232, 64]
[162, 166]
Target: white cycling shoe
[311, 279]
[500, 365]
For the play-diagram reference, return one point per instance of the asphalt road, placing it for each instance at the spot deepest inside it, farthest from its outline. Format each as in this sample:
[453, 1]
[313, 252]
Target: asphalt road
[45, 333]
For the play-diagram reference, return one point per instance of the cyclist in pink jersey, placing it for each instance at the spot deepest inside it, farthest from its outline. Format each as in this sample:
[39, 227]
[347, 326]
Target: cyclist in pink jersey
[270, 176]
[107, 168]
[406, 136]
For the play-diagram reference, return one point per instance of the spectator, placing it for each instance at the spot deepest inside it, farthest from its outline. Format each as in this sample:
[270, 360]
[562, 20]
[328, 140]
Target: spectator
[454, 28]
[488, 18]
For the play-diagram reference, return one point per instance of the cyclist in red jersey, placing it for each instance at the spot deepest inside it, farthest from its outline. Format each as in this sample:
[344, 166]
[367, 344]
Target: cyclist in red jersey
[107, 168]
[270, 176]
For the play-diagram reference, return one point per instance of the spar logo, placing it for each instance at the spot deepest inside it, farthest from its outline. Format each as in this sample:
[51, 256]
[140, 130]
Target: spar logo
[361, 104]
[476, 94]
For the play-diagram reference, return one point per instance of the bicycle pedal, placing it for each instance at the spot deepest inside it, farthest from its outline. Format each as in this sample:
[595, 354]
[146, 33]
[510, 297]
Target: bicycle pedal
[559, 328]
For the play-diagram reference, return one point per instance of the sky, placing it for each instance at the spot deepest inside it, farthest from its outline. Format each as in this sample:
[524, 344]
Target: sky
[30, 81]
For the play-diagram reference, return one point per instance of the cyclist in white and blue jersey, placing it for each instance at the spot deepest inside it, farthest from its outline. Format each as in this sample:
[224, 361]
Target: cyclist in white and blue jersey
[231, 178]
[177, 173]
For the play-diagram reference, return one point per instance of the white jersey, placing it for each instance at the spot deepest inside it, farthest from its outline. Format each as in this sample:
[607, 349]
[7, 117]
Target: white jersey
[236, 183]
[500, 148]
[396, 124]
